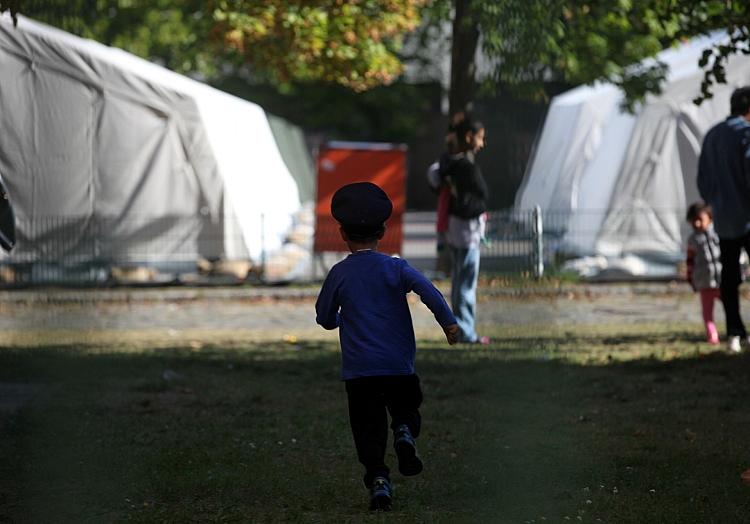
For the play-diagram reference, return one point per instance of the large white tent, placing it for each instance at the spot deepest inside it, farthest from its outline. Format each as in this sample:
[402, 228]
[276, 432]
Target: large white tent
[615, 184]
[108, 156]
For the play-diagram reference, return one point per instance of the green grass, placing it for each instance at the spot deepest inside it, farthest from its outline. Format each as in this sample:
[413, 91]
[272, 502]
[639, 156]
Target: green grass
[611, 424]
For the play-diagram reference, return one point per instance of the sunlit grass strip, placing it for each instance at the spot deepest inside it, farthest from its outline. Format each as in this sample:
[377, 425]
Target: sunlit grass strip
[589, 344]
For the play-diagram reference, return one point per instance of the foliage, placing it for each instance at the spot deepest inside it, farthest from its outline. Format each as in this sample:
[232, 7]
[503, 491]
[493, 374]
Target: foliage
[352, 43]
[532, 43]
[349, 43]
[355, 43]
[582, 43]
[10, 5]
[704, 16]
[537, 42]
[173, 33]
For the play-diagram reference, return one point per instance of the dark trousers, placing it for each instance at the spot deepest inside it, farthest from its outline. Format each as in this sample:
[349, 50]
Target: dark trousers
[369, 398]
[731, 277]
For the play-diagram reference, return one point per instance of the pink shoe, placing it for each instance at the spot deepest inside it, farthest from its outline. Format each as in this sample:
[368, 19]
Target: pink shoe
[712, 334]
[482, 341]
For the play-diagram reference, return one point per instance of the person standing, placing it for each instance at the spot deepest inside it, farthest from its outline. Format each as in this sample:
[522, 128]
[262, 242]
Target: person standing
[466, 223]
[724, 184]
[435, 180]
[704, 264]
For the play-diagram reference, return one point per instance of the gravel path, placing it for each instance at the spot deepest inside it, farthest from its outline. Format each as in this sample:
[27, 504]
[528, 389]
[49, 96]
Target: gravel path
[297, 312]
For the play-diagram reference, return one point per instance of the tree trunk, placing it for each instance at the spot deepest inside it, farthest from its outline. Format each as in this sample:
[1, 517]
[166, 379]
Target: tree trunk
[463, 54]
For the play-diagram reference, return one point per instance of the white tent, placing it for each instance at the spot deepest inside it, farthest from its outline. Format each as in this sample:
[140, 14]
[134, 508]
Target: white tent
[108, 156]
[614, 184]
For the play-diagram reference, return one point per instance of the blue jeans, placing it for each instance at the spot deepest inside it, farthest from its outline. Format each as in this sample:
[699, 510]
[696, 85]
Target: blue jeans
[464, 290]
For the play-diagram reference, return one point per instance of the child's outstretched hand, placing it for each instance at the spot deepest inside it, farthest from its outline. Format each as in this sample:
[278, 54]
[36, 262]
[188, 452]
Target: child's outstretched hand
[451, 333]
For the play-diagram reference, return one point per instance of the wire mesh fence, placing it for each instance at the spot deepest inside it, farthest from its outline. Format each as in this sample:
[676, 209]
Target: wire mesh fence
[201, 250]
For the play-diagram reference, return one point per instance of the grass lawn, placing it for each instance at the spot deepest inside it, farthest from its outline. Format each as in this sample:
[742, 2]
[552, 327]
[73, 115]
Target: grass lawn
[614, 424]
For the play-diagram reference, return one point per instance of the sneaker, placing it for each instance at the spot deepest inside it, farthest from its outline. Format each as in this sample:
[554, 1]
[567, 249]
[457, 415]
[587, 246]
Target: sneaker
[380, 494]
[734, 344]
[409, 463]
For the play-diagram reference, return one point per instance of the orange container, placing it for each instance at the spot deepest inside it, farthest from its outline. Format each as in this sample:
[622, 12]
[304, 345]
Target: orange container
[341, 163]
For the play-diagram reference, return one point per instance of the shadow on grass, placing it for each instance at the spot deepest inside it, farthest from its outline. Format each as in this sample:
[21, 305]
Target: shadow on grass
[259, 433]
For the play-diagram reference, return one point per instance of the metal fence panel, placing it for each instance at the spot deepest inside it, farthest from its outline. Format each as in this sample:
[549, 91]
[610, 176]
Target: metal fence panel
[181, 249]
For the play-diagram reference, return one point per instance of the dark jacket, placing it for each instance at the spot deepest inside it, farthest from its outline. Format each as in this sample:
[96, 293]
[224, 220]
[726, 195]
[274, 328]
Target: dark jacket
[724, 175]
[468, 188]
[7, 221]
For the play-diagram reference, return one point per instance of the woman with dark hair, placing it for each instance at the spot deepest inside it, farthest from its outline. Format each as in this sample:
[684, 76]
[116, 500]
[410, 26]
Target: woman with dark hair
[467, 217]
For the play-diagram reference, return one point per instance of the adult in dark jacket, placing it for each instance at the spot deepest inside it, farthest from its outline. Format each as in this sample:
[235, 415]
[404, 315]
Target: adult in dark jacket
[466, 222]
[724, 183]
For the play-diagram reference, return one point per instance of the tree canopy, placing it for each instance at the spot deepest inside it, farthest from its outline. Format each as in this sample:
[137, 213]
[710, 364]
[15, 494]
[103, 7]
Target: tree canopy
[176, 34]
[355, 43]
[10, 5]
[704, 16]
[534, 42]
[352, 43]
[573, 42]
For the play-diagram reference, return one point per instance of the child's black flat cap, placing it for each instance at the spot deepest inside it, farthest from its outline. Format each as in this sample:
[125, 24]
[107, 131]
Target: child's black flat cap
[361, 208]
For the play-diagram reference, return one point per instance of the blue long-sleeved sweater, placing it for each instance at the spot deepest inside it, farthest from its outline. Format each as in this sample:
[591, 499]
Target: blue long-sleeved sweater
[364, 295]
